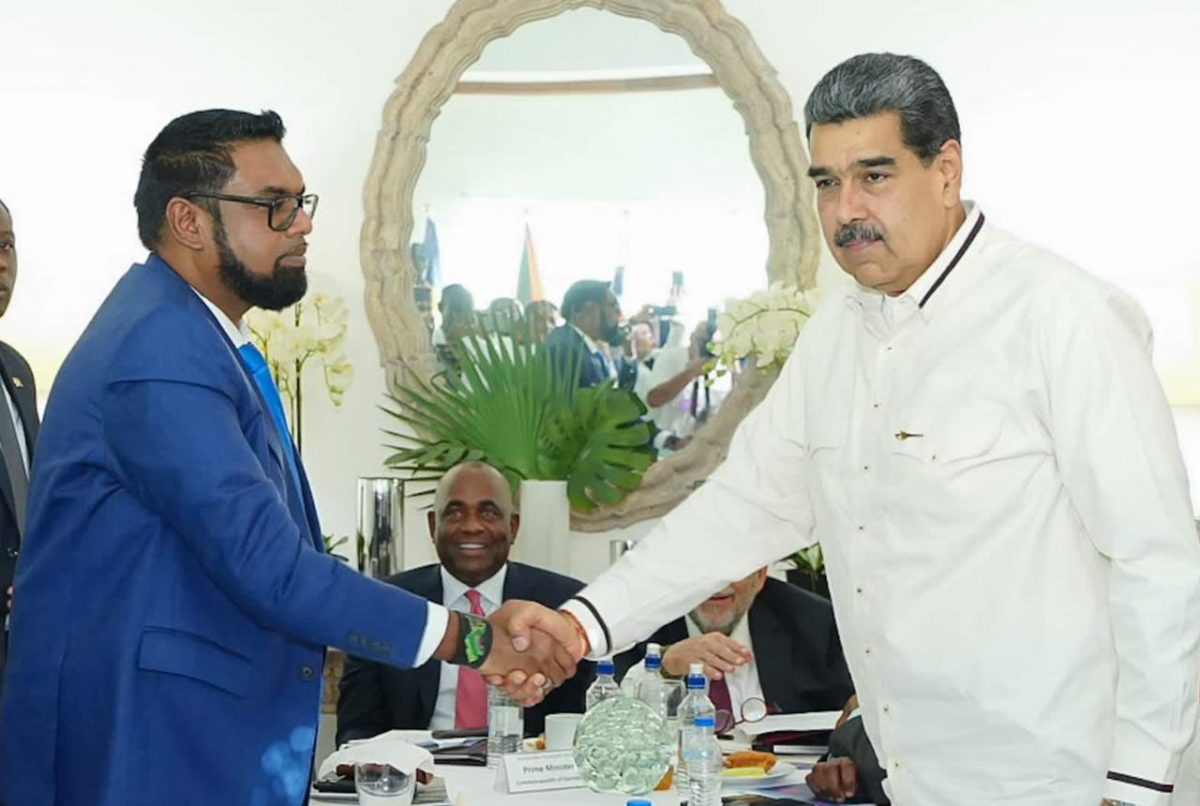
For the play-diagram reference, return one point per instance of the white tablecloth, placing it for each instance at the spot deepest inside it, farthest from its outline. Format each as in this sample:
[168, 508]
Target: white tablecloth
[475, 786]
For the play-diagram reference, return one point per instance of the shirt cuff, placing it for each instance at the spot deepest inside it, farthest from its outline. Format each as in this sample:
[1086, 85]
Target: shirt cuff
[593, 627]
[436, 619]
[1137, 795]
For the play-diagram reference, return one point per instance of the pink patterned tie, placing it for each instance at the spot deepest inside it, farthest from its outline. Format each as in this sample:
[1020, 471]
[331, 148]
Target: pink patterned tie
[470, 703]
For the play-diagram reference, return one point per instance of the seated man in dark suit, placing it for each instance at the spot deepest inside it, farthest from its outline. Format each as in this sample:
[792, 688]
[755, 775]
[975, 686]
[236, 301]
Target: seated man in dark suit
[758, 638]
[473, 525]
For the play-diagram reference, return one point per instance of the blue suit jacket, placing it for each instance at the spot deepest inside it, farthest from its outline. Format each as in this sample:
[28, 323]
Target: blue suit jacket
[568, 349]
[173, 599]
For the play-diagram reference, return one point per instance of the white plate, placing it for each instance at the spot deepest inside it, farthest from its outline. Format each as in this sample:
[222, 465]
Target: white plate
[780, 771]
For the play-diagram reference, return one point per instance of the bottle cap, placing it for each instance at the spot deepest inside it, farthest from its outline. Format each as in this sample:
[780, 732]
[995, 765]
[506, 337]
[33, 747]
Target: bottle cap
[695, 668]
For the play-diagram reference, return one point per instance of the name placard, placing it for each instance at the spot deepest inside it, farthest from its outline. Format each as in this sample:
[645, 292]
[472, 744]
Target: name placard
[537, 772]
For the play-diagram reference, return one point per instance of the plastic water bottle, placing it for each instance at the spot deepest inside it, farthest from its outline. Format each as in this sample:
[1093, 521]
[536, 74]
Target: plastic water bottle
[650, 688]
[605, 685]
[506, 725]
[702, 754]
[695, 704]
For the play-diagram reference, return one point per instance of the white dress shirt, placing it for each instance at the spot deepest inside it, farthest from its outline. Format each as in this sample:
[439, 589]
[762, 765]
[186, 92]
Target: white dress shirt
[998, 488]
[743, 682]
[436, 616]
[454, 597]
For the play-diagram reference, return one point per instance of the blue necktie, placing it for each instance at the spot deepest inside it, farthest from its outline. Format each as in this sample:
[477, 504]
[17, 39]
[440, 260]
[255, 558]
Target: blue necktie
[604, 365]
[261, 373]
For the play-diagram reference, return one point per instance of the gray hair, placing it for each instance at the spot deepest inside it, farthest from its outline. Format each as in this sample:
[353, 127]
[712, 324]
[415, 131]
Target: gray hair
[4, 207]
[873, 83]
[501, 487]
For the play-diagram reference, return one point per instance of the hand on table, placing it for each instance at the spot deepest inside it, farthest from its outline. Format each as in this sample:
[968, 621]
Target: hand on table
[835, 779]
[534, 650]
[719, 653]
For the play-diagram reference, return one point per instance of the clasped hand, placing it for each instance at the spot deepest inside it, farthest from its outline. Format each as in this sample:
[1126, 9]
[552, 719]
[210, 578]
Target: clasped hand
[534, 650]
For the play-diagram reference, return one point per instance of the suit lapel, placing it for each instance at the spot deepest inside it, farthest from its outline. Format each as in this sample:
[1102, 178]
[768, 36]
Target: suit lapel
[6, 377]
[430, 674]
[299, 502]
[774, 664]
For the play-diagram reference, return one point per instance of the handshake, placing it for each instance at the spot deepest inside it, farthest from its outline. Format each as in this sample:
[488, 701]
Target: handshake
[525, 648]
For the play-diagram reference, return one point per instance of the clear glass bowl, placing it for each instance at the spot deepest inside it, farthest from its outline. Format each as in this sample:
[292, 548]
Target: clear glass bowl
[622, 746]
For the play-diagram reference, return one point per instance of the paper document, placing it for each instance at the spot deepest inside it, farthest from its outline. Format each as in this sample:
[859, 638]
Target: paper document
[817, 720]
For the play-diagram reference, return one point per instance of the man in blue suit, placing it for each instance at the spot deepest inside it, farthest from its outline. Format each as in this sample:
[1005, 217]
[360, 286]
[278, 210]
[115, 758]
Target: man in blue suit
[593, 320]
[173, 598]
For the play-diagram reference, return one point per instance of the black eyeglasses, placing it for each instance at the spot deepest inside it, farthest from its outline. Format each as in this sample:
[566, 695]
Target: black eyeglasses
[282, 209]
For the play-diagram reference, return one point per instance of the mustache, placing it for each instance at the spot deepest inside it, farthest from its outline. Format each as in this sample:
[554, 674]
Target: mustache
[856, 231]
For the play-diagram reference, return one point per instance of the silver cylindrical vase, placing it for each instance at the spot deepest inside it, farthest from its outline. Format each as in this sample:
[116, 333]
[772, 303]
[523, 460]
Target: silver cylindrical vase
[380, 538]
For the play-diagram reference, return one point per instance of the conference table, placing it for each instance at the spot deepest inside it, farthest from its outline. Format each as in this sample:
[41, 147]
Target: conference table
[476, 786]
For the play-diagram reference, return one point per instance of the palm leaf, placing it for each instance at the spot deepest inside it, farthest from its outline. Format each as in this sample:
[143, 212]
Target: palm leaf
[517, 406]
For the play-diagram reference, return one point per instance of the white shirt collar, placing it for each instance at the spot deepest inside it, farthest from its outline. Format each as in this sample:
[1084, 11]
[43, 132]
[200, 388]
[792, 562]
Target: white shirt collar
[491, 589]
[912, 296]
[592, 345]
[239, 334]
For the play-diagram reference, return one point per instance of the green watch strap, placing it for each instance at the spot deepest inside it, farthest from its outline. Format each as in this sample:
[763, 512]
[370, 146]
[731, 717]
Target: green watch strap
[474, 640]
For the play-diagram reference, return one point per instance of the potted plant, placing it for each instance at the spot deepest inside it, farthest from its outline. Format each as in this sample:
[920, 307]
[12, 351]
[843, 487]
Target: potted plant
[809, 570]
[514, 404]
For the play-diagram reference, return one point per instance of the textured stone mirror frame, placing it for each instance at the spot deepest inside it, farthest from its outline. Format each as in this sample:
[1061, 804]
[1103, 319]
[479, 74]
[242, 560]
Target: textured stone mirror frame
[428, 82]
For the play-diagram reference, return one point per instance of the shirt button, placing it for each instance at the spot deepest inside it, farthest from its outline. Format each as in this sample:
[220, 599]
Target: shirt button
[887, 709]
[858, 590]
[12, 552]
[862, 528]
[866, 468]
[868, 650]
[895, 765]
[307, 673]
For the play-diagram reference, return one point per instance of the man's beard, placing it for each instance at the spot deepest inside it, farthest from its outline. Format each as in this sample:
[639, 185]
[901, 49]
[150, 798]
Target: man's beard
[614, 335]
[284, 286]
[706, 625]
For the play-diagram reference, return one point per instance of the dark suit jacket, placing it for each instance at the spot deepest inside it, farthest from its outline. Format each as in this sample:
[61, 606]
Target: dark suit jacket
[850, 741]
[567, 347]
[376, 698]
[18, 380]
[796, 647]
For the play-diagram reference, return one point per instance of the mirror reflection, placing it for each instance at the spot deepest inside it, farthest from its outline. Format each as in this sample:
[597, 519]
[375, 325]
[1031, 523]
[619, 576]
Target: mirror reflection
[605, 201]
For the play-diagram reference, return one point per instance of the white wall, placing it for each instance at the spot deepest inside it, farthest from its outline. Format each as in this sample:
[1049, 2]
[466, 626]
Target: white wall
[653, 181]
[1079, 120]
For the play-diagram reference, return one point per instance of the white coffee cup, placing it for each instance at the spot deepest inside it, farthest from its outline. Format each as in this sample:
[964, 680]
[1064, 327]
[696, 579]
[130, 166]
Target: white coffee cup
[560, 731]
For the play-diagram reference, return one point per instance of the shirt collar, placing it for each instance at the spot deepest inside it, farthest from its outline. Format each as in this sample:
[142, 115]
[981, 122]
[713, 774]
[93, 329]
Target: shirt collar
[239, 334]
[865, 298]
[491, 589]
[592, 345]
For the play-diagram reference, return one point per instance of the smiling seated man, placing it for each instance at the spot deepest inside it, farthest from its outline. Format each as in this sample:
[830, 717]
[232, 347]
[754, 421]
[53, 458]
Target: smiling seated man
[473, 524]
[759, 639]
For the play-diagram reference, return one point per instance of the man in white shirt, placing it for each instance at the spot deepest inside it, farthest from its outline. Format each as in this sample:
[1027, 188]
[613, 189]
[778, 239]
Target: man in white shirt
[976, 436]
[473, 524]
[762, 641]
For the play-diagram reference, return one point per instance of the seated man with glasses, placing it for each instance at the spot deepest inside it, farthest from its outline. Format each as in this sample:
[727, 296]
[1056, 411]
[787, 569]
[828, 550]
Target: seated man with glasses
[766, 646]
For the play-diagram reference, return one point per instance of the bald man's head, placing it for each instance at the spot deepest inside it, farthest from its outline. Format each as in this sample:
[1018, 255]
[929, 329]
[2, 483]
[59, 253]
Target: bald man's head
[474, 522]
